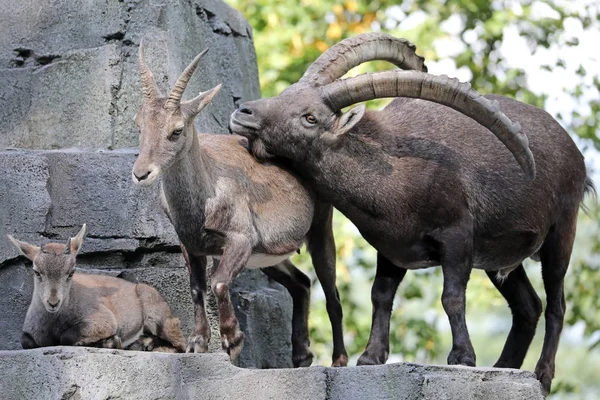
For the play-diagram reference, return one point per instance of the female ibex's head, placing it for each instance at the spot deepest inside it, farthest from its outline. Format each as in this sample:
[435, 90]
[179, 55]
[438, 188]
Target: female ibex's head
[166, 124]
[53, 266]
[309, 112]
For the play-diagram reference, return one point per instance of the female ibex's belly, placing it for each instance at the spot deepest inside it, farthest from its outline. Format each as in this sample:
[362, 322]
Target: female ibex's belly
[259, 260]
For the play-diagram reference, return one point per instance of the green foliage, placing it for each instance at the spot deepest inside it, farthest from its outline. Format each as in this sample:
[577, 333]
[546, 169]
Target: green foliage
[290, 34]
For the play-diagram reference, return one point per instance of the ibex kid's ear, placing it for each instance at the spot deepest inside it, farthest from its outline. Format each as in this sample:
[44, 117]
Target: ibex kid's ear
[28, 250]
[198, 103]
[75, 242]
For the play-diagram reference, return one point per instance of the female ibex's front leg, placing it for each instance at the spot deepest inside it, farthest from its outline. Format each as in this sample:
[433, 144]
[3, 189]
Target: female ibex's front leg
[236, 253]
[198, 340]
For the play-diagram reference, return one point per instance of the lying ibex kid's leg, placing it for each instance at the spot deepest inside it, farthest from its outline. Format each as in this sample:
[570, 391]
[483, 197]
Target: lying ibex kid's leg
[298, 285]
[526, 309]
[387, 279]
[158, 319]
[98, 330]
[236, 253]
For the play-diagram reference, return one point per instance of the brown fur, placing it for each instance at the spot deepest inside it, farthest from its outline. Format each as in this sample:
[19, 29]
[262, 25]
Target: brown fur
[79, 309]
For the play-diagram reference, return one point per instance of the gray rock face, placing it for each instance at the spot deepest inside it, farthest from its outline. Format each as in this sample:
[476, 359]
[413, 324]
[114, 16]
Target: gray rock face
[85, 373]
[50, 194]
[70, 78]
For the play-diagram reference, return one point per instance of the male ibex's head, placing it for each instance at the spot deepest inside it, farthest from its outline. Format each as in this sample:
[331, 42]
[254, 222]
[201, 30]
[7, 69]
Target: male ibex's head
[53, 266]
[309, 111]
[166, 124]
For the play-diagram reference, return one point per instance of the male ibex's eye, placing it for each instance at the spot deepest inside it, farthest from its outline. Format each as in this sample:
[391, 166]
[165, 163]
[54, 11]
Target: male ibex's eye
[177, 132]
[71, 274]
[310, 119]
[37, 274]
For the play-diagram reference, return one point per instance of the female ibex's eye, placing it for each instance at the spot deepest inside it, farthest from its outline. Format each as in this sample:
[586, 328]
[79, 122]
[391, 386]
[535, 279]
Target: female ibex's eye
[71, 274]
[176, 133]
[37, 274]
[310, 119]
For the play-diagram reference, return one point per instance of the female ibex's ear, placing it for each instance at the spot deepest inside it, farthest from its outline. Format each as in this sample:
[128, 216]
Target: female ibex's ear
[75, 242]
[349, 119]
[28, 250]
[198, 103]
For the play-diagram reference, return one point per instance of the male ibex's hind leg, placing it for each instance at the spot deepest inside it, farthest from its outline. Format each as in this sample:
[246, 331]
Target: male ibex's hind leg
[526, 308]
[387, 279]
[158, 319]
[200, 337]
[555, 254]
[298, 285]
[235, 256]
[321, 246]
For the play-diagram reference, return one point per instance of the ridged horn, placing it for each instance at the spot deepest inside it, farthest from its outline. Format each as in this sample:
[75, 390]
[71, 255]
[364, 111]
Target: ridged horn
[175, 95]
[149, 87]
[439, 89]
[349, 53]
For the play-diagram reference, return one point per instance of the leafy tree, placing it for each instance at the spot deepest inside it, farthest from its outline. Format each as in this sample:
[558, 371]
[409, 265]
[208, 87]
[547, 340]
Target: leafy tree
[472, 39]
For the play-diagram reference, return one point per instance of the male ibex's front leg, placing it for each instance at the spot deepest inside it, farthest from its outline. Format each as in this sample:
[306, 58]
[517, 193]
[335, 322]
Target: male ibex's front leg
[198, 340]
[387, 279]
[298, 285]
[456, 259]
[236, 253]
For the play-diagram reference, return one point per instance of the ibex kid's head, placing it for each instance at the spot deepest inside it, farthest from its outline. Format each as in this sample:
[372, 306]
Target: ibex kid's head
[166, 124]
[53, 266]
[307, 116]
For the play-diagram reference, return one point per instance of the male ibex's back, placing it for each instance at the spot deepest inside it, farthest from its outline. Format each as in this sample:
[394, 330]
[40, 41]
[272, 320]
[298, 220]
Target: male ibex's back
[71, 308]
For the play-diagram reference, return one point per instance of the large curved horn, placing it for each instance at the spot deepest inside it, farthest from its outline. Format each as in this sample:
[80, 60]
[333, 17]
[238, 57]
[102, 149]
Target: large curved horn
[148, 85]
[175, 95]
[349, 53]
[439, 89]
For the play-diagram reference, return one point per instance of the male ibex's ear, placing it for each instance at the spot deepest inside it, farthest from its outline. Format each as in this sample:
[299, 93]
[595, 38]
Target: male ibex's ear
[75, 242]
[349, 119]
[28, 250]
[202, 100]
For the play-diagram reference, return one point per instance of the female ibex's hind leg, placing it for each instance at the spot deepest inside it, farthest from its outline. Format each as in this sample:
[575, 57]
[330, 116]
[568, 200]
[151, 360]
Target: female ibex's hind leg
[298, 285]
[526, 309]
[555, 254]
[387, 279]
[158, 319]
[200, 337]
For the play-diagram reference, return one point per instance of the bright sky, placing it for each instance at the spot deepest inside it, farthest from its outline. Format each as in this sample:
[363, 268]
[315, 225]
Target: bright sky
[518, 54]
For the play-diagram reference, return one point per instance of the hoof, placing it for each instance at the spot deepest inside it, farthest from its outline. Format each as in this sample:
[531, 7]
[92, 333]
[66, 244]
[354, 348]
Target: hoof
[545, 375]
[197, 344]
[341, 361]
[461, 358]
[372, 358]
[233, 344]
[302, 360]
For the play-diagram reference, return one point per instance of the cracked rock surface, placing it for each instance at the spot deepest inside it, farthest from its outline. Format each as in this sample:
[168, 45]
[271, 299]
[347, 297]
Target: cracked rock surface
[84, 373]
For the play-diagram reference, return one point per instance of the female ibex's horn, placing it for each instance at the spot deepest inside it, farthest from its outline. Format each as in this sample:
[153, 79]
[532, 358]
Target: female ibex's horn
[149, 88]
[349, 53]
[175, 95]
[439, 89]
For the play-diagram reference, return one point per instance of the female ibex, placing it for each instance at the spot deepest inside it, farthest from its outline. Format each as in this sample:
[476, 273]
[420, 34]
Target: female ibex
[223, 203]
[427, 185]
[71, 308]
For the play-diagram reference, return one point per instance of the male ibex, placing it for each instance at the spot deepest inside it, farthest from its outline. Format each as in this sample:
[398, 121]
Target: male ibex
[223, 203]
[71, 308]
[427, 185]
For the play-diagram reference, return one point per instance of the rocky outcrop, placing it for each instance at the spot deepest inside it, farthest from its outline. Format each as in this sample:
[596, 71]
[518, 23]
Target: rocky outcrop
[84, 373]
